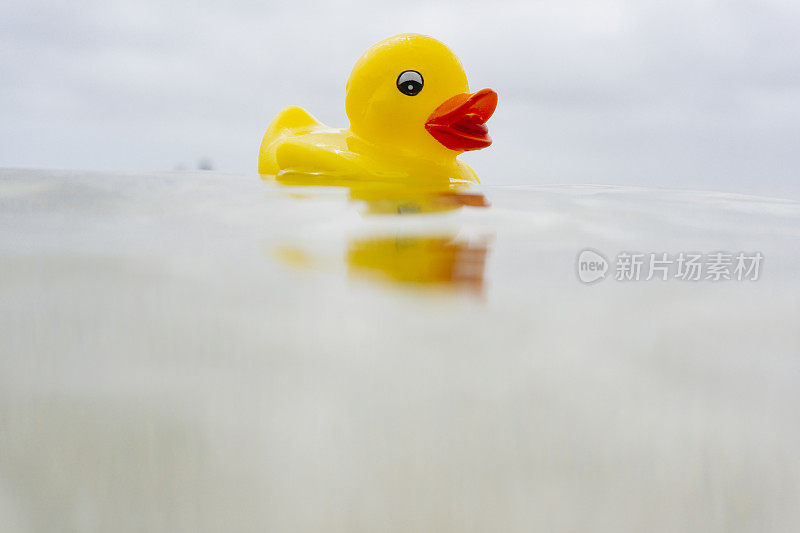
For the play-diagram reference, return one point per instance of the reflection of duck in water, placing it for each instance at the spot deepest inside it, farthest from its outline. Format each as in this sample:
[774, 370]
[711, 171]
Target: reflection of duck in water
[420, 260]
[410, 116]
[443, 259]
[402, 200]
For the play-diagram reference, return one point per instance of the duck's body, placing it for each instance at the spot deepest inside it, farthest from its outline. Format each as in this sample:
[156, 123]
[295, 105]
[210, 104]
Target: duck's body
[296, 145]
[399, 132]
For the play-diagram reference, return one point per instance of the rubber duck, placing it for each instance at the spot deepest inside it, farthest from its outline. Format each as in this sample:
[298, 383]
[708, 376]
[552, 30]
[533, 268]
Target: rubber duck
[411, 114]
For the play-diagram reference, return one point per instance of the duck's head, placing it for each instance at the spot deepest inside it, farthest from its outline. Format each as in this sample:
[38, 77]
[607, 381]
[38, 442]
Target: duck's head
[409, 93]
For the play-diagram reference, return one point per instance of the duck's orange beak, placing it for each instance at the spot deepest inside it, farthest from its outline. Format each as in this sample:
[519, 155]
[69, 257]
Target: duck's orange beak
[460, 123]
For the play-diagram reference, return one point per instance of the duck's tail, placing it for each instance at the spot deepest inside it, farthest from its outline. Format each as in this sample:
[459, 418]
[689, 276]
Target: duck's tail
[290, 118]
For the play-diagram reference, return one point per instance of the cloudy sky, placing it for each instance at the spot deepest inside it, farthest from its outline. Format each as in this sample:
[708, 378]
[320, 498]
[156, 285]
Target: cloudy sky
[688, 94]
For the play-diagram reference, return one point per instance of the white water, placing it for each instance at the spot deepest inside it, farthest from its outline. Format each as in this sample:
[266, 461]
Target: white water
[163, 369]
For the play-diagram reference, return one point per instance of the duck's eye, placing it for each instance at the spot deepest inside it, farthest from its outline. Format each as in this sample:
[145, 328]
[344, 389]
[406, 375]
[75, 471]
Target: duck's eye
[409, 82]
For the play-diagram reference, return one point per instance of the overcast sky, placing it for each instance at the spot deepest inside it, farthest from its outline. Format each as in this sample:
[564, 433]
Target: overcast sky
[689, 93]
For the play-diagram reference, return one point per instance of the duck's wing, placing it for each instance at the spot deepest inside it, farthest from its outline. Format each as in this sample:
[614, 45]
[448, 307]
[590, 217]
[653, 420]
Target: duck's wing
[316, 158]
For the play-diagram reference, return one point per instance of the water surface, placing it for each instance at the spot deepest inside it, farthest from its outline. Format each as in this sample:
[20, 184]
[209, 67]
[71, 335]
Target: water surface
[211, 352]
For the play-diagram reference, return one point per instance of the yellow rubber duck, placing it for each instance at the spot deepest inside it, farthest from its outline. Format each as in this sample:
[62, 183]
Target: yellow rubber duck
[411, 114]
